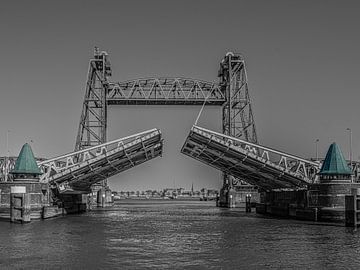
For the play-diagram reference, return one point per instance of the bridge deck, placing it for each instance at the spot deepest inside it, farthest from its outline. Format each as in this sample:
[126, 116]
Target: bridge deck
[78, 171]
[237, 158]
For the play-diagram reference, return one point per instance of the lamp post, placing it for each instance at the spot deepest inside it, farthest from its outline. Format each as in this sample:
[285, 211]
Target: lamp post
[350, 148]
[316, 149]
[6, 156]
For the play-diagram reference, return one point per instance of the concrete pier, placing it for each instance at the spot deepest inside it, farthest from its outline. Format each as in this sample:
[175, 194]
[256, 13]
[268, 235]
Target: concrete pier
[38, 194]
[236, 196]
[74, 203]
[104, 197]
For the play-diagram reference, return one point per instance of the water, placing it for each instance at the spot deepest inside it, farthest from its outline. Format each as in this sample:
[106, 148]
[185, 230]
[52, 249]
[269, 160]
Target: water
[176, 235]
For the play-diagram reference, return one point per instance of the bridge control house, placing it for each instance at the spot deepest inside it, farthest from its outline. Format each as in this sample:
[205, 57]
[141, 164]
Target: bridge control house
[323, 200]
[23, 198]
[335, 182]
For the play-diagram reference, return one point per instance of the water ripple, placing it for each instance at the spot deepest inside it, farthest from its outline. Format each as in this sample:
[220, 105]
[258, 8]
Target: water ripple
[176, 235]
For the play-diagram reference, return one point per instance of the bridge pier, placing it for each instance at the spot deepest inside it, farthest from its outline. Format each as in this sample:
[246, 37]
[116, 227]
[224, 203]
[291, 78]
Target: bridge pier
[34, 197]
[74, 203]
[235, 197]
[104, 197]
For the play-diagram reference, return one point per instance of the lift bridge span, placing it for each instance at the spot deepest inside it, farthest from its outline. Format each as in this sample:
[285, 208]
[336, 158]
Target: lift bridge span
[235, 151]
[262, 166]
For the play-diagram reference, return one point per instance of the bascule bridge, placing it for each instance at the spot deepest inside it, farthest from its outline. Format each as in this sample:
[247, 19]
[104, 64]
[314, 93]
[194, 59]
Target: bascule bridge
[235, 151]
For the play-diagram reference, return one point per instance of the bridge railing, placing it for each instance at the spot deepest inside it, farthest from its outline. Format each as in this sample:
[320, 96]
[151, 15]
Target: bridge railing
[59, 164]
[172, 91]
[284, 162]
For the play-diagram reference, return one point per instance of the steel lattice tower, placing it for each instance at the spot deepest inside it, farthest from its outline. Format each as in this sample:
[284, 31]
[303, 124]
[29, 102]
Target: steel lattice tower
[237, 116]
[238, 120]
[93, 121]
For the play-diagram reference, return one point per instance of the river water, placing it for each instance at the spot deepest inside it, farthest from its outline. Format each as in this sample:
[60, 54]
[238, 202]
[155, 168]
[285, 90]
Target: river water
[176, 235]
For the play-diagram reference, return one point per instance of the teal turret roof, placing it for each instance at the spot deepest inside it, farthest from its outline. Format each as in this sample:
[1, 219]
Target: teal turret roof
[334, 163]
[26, 163]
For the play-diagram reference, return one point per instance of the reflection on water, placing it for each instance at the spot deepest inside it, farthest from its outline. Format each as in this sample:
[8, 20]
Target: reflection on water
[176, 235]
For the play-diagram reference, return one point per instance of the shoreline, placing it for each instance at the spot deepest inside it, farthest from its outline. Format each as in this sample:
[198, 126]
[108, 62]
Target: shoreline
[164, 199]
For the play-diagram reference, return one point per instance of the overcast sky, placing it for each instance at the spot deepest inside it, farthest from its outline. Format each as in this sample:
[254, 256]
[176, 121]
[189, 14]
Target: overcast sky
[302, 64]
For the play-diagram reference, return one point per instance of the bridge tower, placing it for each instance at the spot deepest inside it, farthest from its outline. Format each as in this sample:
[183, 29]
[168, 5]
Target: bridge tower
[231, 93]
[238, 120]
[93, 120]
[237, 116]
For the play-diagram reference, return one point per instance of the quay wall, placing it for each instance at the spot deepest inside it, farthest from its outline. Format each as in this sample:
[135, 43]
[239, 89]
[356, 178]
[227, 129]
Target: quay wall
[41, 203]
[320, 202]
[39, 197]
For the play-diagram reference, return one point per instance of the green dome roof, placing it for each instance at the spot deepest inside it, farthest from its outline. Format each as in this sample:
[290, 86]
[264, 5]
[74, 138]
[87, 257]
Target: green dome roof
[26, 163]
[334, 162]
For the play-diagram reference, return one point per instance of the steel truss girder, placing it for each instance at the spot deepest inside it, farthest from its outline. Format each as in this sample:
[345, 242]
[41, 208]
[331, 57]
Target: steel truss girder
[256, 164]
[165, 91]
[80, 169]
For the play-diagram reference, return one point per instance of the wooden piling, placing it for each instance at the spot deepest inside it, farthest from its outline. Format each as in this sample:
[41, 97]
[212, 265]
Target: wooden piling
[19, 205]
[352, 209]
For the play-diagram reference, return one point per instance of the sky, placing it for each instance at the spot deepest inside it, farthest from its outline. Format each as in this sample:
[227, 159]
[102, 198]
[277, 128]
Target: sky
[302, 65]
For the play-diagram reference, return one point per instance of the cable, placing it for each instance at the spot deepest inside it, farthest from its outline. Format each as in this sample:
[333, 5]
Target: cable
[202, 107]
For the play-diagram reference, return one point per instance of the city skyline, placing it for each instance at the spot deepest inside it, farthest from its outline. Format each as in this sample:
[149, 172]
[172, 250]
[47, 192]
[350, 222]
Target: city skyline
[303, 74]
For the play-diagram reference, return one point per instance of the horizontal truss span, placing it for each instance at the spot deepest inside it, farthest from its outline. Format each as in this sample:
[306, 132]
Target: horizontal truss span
[77, 171]
[261, 166]
[165, 91]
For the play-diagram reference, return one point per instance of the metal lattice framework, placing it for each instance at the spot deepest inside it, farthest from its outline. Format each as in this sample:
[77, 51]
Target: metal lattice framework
[232, 93]
[165, 91]
[79, 170]
[100, 93]
[238, 120]
[262, 166]
[93, 120]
